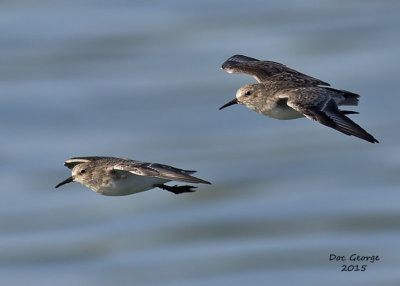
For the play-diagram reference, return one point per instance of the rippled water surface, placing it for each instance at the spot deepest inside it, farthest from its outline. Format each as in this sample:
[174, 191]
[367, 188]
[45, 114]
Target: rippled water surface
[141, 79]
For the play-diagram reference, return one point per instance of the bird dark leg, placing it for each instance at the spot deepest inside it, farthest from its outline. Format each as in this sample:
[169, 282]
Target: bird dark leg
[176, 189]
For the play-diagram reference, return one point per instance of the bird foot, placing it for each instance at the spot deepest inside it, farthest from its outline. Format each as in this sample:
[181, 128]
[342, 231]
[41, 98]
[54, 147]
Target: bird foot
[177, 189]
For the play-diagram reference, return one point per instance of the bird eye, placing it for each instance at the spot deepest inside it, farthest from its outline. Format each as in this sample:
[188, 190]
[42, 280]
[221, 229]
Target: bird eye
[83, 171]
[247, 93]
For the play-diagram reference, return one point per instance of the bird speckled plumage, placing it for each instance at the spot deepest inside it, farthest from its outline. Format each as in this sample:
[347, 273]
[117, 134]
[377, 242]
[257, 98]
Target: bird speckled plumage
[113, 176]
[284, 93]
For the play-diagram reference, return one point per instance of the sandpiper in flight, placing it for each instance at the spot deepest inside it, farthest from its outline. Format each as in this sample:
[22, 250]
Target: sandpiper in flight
[112, 176]
[284, 93]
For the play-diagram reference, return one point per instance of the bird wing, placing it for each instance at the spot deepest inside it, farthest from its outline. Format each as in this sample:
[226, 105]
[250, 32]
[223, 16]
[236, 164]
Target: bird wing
[71, 163]
[287, 80]
[158, 171]
[262, 70]
[318, 105]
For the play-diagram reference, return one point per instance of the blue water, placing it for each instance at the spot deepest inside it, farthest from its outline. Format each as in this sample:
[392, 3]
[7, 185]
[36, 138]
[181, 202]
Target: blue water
[141, 79]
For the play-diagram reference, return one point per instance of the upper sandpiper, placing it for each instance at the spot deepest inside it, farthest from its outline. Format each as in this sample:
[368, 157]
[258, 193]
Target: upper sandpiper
[284, 93]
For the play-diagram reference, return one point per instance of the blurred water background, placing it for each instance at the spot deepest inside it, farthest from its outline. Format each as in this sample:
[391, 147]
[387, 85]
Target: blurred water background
[142, 79]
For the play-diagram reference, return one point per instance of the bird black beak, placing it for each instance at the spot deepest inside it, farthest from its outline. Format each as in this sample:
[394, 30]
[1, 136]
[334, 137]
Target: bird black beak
[232, 102]
[69, 180]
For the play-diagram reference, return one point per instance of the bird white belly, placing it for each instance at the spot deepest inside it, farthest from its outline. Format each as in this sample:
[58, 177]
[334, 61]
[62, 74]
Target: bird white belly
[131, 185]
[283, 113]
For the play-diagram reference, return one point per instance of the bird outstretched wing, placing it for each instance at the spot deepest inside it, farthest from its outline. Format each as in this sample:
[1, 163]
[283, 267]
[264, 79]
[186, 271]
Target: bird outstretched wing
[263, 70]
[158, 170]
[71, 163]
[317, 104]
